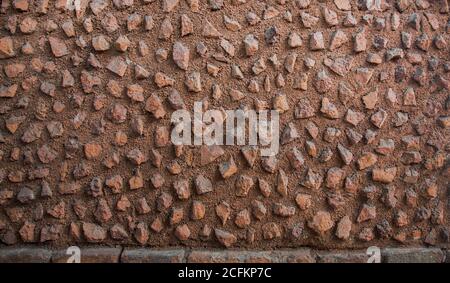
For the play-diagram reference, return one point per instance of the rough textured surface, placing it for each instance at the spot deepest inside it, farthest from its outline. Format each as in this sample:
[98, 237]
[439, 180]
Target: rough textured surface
[342, 257]
[25, 255]
[86, 98]
[291, 256]
[152, 256]
[410, 255]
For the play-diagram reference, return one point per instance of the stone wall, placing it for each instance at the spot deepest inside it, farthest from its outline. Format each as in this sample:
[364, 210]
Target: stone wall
[362, 88]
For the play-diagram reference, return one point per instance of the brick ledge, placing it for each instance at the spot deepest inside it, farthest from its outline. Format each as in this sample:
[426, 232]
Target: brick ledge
[180, 255]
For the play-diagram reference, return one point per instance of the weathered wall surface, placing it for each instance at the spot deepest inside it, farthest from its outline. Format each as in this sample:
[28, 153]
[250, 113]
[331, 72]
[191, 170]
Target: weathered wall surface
[86, 99]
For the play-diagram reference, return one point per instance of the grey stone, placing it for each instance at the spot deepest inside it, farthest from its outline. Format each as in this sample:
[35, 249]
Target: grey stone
[25, 255]
[412, 255]
[152, 256]
[342, 256]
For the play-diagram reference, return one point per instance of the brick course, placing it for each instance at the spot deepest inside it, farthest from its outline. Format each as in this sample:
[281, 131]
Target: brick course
[180, 255]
